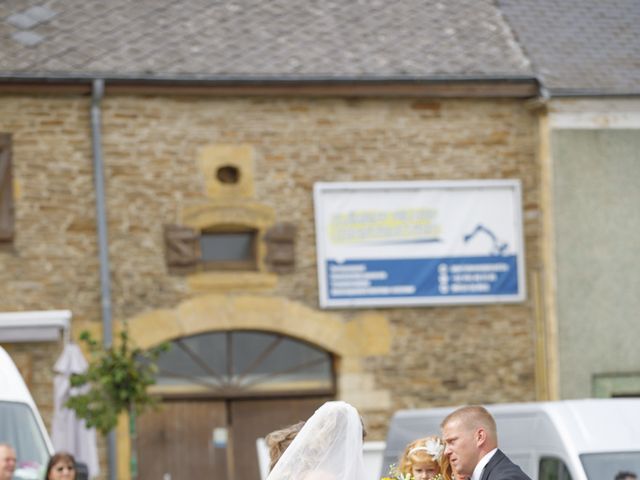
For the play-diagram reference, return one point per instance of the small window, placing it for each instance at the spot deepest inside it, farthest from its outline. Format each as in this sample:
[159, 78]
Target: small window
[228, 250]
[552, 468]
[228, 174]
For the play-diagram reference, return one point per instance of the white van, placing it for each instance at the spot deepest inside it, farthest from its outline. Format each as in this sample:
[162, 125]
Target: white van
[20, 423]
[591, 439]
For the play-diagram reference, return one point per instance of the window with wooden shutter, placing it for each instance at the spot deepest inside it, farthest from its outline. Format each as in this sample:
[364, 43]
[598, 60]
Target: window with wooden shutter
[7, 209]
[280, 241]
[224, 245]
[189, 250]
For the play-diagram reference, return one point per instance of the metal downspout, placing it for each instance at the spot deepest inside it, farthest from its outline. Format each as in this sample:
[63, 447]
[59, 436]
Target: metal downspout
[103, 246]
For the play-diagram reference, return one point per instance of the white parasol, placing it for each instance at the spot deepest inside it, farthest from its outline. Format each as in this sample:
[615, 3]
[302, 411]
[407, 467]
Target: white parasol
[69, 433]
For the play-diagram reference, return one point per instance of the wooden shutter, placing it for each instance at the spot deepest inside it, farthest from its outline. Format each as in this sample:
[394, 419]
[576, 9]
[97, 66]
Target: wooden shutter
[182, 248]
[7, 209]
[280, 240]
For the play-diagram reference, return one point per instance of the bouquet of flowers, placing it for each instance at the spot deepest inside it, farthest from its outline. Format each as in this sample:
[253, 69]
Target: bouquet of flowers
[394, 474]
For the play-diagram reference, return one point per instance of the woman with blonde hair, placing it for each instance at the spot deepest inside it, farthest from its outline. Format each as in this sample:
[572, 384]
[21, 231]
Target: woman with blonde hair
[278, 441]
[424, 459]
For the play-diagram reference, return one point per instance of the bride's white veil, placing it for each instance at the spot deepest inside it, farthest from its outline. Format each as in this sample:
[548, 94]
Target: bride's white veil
[329, 447]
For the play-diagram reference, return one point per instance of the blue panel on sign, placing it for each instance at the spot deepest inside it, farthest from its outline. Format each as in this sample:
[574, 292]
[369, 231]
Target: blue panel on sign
[423, 277]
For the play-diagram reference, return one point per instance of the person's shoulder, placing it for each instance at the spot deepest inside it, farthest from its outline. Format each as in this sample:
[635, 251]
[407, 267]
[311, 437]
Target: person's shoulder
[506, 469]
[513, 475]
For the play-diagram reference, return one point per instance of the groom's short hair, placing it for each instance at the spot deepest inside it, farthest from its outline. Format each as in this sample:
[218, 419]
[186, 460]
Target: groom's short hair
[473, 416]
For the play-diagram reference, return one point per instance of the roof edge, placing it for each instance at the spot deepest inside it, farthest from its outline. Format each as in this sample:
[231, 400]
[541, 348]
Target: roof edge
[590, 92]
[261, 79]
[437, 86]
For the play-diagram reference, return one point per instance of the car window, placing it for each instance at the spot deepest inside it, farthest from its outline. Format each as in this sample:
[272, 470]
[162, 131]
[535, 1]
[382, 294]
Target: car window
[552, 468]
[19, 428]
[608, 465]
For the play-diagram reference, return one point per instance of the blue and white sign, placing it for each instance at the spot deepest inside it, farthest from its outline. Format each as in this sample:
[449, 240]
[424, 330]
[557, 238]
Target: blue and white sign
[419, 243]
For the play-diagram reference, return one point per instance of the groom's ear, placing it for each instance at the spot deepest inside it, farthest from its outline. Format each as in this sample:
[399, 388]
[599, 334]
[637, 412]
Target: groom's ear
[481, 436]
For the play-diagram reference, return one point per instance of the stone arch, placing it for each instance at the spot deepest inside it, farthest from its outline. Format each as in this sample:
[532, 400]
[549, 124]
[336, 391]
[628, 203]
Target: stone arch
[214, 312]
[349, 340]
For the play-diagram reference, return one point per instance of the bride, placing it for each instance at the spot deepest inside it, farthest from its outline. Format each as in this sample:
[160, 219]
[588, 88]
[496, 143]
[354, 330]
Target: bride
[329, 447]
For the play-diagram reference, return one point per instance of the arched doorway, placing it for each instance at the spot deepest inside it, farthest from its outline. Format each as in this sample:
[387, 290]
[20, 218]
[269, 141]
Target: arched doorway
[220, 392]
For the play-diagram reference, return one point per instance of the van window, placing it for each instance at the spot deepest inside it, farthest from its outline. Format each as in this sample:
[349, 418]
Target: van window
[18, 427]
[607, 465]
[552, 468]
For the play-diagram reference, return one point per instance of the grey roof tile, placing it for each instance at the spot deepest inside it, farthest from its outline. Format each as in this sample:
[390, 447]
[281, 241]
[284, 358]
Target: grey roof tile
[26, 38]
[29, 17]
[281, 38]
[22, 21]
[580, 45]
[40, 13]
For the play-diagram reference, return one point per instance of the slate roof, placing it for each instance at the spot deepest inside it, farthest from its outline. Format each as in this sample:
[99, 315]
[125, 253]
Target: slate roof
[258, 38]
[571, 46]
[580, 46]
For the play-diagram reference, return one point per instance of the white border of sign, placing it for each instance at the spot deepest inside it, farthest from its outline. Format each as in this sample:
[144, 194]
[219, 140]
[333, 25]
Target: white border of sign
[322, 191]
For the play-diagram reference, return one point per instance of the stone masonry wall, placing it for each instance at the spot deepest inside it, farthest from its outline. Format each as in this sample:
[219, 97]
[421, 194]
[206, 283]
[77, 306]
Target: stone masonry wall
[439, 355]
[52, 263]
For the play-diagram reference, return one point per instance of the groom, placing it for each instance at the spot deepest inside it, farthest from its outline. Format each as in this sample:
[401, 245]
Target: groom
[471, 445]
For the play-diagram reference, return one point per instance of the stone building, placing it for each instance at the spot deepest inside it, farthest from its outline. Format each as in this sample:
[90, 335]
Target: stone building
[211, 123]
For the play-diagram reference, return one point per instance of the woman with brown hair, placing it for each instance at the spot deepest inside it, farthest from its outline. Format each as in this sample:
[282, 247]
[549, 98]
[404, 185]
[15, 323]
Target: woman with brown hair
[61, 466]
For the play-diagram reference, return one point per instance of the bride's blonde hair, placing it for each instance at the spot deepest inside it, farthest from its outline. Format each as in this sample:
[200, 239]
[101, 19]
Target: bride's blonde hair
[279, 440]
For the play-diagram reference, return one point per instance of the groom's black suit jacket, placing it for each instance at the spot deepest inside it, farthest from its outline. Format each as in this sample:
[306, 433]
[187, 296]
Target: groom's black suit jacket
[501, 468]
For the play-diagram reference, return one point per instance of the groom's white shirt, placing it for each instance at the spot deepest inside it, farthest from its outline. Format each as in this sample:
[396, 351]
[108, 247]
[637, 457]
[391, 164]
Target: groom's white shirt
[477, 472]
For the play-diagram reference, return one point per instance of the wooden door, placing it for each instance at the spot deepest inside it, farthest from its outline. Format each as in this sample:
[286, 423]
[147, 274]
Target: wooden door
[175, 442]
[254, 418]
